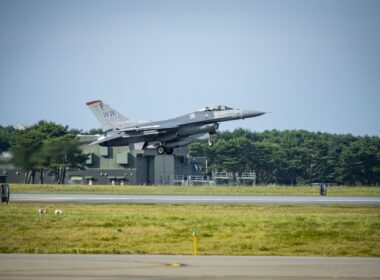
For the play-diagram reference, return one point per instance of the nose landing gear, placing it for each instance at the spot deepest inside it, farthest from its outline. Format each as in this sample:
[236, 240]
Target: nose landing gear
[210, 143]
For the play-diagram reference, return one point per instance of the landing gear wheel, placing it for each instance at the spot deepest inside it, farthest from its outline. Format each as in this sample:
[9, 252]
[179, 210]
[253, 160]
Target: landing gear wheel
[169, 151]
[210, 143]
[160, 150]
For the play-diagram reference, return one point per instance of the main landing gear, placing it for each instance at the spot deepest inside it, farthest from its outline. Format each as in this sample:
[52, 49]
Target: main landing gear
[162, 150]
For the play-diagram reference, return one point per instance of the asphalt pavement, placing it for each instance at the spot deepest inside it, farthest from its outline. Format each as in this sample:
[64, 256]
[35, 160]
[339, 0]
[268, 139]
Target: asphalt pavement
[25, 267]
[192, 199]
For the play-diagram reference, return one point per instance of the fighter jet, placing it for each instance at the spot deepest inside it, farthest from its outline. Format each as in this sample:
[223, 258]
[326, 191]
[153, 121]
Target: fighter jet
[164, 135]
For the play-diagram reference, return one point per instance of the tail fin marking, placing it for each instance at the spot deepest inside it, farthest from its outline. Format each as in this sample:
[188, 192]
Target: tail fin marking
[108, 117]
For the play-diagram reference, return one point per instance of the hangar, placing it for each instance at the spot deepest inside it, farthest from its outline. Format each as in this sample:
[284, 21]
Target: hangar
[123, 166]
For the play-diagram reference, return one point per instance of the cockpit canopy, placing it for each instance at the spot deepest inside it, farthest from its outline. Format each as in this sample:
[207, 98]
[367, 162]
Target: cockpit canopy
[215, 108]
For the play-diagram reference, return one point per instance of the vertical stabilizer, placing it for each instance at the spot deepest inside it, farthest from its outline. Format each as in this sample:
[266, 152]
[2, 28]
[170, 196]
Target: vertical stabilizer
[107, 116]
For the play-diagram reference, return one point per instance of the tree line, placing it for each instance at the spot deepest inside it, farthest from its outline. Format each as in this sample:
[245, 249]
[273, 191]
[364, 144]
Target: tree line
[295, 156]
[45, 147]
[278, 157]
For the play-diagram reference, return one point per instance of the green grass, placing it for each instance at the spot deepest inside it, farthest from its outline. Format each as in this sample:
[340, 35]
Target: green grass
[247, 190]
[166, 229]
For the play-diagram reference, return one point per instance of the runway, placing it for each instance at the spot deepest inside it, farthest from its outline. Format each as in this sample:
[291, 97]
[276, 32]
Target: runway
[20, 266]
[193, 199]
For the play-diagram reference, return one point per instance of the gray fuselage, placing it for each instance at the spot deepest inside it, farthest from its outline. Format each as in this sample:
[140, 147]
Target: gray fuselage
[178, 131]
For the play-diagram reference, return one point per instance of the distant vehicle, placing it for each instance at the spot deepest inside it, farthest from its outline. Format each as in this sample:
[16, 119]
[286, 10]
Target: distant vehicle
[163, 135]
[5, 193]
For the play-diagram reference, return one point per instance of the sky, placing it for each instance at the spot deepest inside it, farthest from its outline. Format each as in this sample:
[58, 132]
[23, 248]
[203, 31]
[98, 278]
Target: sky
[315, 65]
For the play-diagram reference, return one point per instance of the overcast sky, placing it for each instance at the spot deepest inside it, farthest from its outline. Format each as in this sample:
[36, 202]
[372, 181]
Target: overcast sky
[314, 64]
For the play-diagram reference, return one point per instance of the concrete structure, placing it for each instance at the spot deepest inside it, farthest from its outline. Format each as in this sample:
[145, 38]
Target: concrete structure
[122, 165]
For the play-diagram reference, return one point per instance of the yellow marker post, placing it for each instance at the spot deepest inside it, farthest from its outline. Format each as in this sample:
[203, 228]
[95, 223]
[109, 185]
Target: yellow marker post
[195, 242]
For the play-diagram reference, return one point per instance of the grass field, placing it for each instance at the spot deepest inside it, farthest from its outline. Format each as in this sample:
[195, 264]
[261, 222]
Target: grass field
[166, 229]
[248, 190]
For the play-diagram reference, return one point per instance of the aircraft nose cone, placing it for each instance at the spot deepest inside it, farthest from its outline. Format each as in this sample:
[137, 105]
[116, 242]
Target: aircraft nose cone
[251, 113]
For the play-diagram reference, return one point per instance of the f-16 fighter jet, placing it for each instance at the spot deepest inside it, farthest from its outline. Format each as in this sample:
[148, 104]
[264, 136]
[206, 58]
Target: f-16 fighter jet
[163, 135]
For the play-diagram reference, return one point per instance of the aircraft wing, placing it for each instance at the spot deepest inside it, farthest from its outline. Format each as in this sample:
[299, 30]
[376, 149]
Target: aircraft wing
[105, 139]
[143, 130]
[148, 128]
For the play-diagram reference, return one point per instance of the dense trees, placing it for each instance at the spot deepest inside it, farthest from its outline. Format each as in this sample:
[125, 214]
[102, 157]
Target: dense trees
[43, 147]
[295, 156]
[6, 134]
